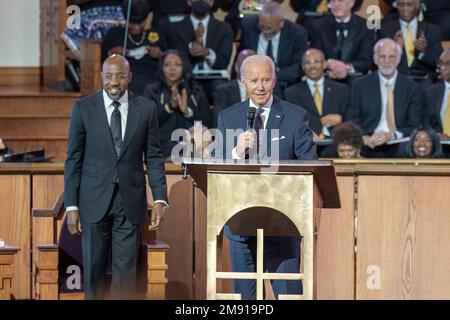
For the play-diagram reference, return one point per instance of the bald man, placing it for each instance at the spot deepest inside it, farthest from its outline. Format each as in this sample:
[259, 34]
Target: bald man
[420, 41]
[104, 182]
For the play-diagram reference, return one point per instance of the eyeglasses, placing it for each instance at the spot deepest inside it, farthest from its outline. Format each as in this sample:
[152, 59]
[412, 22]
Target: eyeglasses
[117, 76]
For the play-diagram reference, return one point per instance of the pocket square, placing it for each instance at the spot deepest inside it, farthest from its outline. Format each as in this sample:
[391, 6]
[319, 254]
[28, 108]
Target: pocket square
[278, 138]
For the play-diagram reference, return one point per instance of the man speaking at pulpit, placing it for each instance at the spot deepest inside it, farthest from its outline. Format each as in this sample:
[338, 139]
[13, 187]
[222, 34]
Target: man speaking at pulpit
[295, 141]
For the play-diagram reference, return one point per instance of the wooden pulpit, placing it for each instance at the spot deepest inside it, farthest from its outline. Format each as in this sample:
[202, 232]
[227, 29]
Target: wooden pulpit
[262, 199]
[7, 271]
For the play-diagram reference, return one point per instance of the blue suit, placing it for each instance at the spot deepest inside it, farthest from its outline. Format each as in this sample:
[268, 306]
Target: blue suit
[281, 254]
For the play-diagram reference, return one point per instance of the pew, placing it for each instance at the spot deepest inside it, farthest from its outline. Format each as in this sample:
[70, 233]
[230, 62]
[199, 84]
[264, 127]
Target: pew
[48, 230]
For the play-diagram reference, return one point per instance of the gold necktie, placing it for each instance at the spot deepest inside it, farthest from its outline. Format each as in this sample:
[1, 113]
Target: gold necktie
[317, 98]
[446, 120]
[390, 113]
[322, 7]
[409, 45]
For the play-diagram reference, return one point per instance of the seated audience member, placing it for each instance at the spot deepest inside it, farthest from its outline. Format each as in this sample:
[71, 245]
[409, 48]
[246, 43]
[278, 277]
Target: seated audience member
[312, 10]
[421, 42]
[271, 34]
[207, 42]
[180, 100]
[345, 40]
[325, 100]
[424, 143]
[436, 12]
[234, 16]
[386, 104]
[232, 92]
[143, 46]
[347, 139]
[438, 99]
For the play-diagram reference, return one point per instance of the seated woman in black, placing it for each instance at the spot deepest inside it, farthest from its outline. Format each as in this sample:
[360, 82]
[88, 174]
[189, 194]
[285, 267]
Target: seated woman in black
[144, 47]
[180, 100]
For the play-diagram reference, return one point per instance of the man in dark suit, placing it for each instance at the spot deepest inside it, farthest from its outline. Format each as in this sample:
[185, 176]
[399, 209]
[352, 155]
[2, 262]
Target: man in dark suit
[325, 100]
[386, 104]
[283, 41]
[294, 138]
[438, 99]
[231, 92]
[421, 42]
[436, 12]
[104, 181]
[345, 40]
[207, 41]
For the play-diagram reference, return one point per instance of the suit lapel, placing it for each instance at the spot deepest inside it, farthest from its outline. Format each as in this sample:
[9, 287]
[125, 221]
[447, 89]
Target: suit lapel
[398, 96]
[134, 114]
[211, 32]
[378, 103]
[440, 100]
[100, 113]
[276, 116]
[309, 103]
[327, 96]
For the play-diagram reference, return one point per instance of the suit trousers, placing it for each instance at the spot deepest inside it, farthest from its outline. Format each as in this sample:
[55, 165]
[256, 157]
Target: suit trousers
[113, 236]
[281, 255]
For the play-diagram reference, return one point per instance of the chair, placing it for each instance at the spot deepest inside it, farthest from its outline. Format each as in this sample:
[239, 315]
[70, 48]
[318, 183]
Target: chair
[49, 229]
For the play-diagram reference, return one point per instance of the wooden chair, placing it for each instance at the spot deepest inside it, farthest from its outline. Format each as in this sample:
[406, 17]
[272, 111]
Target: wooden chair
[47, 229]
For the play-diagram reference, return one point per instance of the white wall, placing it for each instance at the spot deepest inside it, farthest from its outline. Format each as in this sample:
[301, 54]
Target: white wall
[19, 33]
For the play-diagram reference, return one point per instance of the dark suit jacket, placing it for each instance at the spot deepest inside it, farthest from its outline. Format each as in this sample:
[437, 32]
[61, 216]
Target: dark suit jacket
[168, 122]
[219, 38]
[426, 65]
[225, 95]
[291, 47]
[335, 100]
[288, 118]
[360, 41]
[434, 99]
[92, 165]
[365, 105]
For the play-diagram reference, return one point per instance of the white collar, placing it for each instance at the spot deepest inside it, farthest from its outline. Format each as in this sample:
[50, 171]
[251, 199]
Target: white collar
[345, 20]
[196, 21]
[311, 82]
[384, 80]
[123, 99]
[414, 22]
[447, 85]
[274, 38]
[266, 107]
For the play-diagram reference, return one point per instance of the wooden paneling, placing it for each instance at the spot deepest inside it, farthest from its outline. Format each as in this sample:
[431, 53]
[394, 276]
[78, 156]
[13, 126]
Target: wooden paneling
[177, 231]
[335, 248]
[200, 244]
[90, 66]
[20, 76]
[15, 227]
[403, 235]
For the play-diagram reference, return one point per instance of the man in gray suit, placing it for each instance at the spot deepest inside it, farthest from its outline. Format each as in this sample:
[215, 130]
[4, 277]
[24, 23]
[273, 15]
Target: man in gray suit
[110, 133]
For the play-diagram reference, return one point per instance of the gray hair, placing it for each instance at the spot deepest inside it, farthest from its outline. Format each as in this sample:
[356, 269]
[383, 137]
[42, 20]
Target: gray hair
[389, 41]
[272, 9]
[258, 59]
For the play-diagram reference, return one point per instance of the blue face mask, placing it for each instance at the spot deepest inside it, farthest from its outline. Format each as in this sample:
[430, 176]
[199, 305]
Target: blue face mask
[200, 9]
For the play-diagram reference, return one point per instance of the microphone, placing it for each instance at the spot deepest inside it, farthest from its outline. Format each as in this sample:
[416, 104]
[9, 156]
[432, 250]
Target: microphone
[251, 112]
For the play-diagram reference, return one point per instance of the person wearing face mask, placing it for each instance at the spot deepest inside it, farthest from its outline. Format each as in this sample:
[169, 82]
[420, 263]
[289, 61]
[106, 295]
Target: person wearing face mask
[180, 100]
[205, 40]
[386, 104]
[144, 47]
[283, 41]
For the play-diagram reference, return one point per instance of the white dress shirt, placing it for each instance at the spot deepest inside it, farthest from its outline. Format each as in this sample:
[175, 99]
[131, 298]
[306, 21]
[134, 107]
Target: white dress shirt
[383, 124]
[413, 26]
[211, 57]
[444, 101]
[312, 89]
[263, 43]
[123, 109]
[264, 114]
[346, 20]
